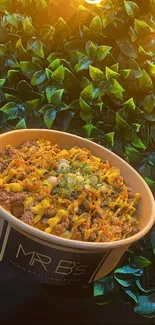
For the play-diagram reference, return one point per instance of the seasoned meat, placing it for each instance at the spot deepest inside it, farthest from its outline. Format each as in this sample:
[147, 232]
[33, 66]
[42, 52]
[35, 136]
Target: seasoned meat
[27, 217]
[17, 210]
[50, 212]
[17, 198]
[61, 227]
[5, 200]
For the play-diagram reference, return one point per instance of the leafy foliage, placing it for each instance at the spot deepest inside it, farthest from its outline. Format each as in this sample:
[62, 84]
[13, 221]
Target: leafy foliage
[90, 71]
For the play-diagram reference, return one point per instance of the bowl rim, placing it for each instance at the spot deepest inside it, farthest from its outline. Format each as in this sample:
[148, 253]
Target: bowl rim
[50, 238]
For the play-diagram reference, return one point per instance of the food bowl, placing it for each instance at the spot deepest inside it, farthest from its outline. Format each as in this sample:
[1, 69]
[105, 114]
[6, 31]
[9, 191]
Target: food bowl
[59, 261]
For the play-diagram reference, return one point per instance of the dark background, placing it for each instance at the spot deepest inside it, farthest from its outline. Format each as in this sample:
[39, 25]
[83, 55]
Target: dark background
[24, 301]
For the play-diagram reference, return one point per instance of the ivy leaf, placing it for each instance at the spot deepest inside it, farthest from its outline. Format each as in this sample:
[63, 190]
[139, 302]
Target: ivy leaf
[30, 106]
[146, 305]
[70, 82]
[38, 78]
[83, 64]
[146, 81]
[110, 138]
[88, 92]
[49, 117]
[3, 50]
[116, 89]
[36, 46]
[96, 25]
[131, 8]
[141, 27]
[82, 13]
[127, 47]
[88, 129]
[62, 29]
[111, 74]
[41, 4]
[151, 159]
[21, 125]
[10, 109]
[59, 74]
[96, 74]
[149, 103]
[48, 74]
[28, 27]
[102, 52]
[130, 104]
[121, 122]
[29, 68]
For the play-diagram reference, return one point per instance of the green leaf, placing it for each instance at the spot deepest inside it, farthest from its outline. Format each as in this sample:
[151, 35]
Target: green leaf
[141, 27]
[141, 262]
[54, 64]
[104, 286]
[62, 29]
[123, 283]
[146, 305]
[84, 105]
[151, 159]
[110, 137]
[82, 13]
[29, 68]
[116, 89]
[149, 103]
[30, 106]
[70, 82]
[130, 104]
[91, 49]
[12, 62]
[127, 269]
[59, 74]
[38, 78]
[10, 109]
[121, 122]
[96, 25]
[133, 155]
[96, 74]
[131, 8]
[2, 82]
[27, 26]
[126, 47]
[151, 68]
[54, 96]
[110, 74]
[142, 52]
[3, 50]
[47, 33]
[19, 46]
[132, 295]
[125, 73]
[88, 92]
[21, 125]
[48, 74]
[102, 52]
[49, 117]
[12, 73]
[146, 81]
[136, 141]
[36, 46]
[115, 67]
[88, 129]
[41, 4]
[83, 64]
[11, 98]
[151, 183]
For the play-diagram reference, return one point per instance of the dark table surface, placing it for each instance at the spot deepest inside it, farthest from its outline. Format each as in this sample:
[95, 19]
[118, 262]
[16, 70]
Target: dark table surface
[23, 301]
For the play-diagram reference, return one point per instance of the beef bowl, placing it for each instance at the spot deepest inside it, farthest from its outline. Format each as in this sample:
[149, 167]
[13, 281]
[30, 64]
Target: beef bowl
[75, 251]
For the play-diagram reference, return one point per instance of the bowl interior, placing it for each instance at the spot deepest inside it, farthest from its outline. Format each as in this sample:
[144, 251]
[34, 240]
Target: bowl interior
[146, 208]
